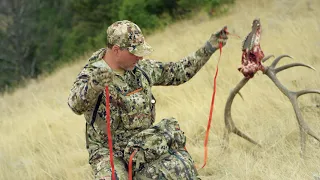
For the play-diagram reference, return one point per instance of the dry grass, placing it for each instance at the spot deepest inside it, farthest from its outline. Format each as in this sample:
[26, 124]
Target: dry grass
[40, 138]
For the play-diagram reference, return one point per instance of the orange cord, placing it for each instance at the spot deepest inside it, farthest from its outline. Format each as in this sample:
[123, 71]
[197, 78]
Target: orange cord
[130, 165]
[109, 133]
[211, 111]
[212, 103]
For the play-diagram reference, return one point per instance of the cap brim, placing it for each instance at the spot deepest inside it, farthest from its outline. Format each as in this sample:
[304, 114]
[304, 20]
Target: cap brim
[142, 50]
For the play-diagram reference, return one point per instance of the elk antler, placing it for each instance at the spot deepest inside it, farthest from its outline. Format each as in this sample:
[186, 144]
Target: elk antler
[271, 72]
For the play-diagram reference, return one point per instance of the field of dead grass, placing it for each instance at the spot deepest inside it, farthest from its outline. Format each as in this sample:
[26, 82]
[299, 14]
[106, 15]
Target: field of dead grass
[40, 138]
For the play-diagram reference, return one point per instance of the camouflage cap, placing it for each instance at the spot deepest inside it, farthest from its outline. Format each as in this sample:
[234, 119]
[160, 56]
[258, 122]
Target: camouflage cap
[127, 34]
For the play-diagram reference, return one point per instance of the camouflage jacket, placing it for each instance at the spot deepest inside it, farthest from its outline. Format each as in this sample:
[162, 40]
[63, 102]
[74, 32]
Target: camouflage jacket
[130, 113]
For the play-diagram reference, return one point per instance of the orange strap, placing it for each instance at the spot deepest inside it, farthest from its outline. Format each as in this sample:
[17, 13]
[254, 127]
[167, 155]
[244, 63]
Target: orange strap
[211, 110]
[130, 165]
[109, 133]
[212, 103]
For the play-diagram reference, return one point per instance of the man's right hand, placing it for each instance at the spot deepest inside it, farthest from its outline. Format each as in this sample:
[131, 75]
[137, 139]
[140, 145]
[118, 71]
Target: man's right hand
[100, 78]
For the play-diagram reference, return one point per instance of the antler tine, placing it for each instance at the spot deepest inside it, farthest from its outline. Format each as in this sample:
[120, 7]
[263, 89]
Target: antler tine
[230, 126]
[303, 126]
[275, 62]
[293, 65]
[307, 91]
[306, 128]
[293, 96]
[266, 58]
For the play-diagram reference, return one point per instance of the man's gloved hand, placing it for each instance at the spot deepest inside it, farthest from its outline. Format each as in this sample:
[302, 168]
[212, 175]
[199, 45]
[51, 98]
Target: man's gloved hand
[139, 159]
[100, 78]
[219, 37]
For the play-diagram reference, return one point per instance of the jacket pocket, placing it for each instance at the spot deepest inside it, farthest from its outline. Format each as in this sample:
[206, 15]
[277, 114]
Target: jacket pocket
[137, 111]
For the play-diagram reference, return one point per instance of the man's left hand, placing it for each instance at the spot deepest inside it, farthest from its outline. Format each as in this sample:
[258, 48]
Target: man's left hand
[219, 37]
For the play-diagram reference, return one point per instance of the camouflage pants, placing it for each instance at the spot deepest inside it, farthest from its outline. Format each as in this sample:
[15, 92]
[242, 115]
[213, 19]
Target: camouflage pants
[175, 166]
[160, 155]
[102, 169]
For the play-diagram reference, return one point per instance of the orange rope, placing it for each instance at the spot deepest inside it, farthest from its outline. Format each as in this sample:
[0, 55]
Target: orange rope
[109, 133]
[211, 111]
[130, 165]
[212, 103]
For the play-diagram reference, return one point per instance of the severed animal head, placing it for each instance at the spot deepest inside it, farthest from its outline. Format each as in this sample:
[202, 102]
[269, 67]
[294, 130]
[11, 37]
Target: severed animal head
[256, 24]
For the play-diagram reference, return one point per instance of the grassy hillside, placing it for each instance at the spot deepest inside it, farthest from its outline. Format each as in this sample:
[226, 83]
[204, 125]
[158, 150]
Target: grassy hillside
[40, 138]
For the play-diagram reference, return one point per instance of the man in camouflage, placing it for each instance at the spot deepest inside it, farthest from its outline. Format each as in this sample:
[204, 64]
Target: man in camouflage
[132, 106]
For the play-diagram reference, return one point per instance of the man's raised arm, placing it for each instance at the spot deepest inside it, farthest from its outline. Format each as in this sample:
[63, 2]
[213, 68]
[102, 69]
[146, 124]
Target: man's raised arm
[175, 73]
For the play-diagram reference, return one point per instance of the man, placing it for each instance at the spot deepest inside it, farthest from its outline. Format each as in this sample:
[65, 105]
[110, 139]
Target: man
[129, 78]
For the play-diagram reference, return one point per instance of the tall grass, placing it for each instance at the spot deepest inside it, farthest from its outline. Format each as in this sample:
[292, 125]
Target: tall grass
[40, 138]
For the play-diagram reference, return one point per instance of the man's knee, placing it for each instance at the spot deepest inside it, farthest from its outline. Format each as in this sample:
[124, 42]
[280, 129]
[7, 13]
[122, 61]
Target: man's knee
[102, 169]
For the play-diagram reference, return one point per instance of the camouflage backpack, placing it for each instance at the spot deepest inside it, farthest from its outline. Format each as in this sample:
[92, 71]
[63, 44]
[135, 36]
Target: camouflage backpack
[160, 153]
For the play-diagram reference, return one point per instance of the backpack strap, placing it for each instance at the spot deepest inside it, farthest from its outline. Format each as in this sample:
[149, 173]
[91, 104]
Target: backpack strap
[94, 114]
[144, 74]
[147, 77]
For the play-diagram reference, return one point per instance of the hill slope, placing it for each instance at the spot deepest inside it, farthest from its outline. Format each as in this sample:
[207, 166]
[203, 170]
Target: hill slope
[40, 138]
